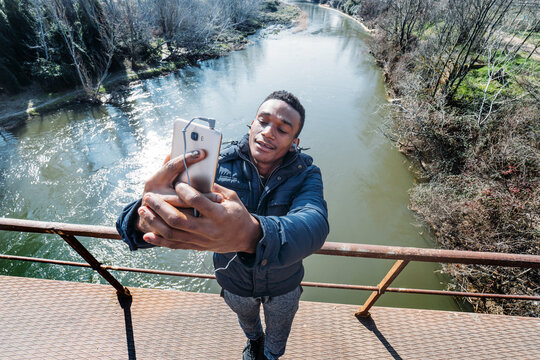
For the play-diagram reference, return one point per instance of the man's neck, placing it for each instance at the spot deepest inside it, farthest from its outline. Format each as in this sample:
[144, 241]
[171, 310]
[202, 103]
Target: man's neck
[266, 169]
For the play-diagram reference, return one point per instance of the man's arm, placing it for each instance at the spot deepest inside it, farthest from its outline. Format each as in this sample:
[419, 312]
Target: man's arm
[227, 226]
[126, 225]
[290, 238]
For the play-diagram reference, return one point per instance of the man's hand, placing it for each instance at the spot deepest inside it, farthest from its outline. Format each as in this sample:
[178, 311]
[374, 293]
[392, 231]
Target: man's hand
[224, 225]
[162, 182]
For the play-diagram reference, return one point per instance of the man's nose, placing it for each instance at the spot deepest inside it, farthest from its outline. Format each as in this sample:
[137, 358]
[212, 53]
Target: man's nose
[268, 131]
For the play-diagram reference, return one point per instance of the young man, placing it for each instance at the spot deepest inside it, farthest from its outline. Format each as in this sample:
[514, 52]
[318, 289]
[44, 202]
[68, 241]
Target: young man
[265, 214]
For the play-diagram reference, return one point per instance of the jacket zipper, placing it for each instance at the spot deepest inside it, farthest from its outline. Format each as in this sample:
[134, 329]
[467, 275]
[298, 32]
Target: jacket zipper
[254, 278]
[269, 177]
[271, 174]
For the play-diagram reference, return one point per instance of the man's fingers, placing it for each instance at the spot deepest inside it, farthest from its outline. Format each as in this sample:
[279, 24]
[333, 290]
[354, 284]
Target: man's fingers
[168, 195]
[229, 194]
[172, 244]
[214, 197]
[150, 222]
[175, 201]
[173, 218]
[158, 233]
[205, 204]
[142, 222]
[174, 167]
[167, 158]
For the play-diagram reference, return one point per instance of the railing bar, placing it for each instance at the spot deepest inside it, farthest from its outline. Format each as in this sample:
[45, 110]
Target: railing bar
[104, 232]
[460, 293]
[339, 286]
[46, 261]
[430, 255]
[396, 269]
[329, 248]
[304, 283]
[94, 263]
[160, 272]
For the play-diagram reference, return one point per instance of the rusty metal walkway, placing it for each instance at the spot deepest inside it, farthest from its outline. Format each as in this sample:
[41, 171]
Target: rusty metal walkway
[49, 319]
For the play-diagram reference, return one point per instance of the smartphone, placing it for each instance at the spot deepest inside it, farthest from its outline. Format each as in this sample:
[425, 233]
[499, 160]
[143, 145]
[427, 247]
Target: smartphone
[197, 137]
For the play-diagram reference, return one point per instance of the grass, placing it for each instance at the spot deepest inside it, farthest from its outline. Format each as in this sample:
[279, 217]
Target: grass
[32, 112]
[283, 14]
[534, 38]
[472, 88]
[428, 30]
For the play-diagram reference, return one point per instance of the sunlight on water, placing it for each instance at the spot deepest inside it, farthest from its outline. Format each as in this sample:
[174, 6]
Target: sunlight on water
[84, 164]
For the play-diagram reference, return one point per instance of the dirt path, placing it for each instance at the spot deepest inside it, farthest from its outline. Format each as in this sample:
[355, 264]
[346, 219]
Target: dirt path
[526, 48]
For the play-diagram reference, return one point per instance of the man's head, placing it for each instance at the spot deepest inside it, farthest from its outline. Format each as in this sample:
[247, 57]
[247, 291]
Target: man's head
[276, 127]
[293, 101]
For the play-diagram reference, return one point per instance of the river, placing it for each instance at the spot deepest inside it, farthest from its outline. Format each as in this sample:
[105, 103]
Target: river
[82, 164]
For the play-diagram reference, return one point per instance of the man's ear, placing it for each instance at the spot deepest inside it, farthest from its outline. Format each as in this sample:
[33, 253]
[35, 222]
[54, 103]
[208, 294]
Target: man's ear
[295, 144]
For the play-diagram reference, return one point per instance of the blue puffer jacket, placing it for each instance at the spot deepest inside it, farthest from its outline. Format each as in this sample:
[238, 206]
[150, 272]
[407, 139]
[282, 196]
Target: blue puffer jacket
[290, 208]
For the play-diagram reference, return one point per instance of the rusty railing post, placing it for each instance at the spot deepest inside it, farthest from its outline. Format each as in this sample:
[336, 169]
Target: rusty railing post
[381, 288]
[96, 265]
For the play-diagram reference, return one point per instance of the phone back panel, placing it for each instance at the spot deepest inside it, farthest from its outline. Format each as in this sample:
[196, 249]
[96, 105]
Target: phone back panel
[201, 174]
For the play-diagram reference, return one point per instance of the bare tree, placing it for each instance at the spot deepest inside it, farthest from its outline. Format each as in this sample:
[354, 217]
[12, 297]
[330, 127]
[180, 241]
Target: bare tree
[480, 180]
[136, 24]
[406, 16]
[61, 12]
[237, 11]
[170, 17]
[501, 52]
[103, 18]
[65, 17]
[42, 27]
[193, 24]
[470, 34]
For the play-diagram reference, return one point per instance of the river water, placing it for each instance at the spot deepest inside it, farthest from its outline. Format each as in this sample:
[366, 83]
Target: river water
[83, 164]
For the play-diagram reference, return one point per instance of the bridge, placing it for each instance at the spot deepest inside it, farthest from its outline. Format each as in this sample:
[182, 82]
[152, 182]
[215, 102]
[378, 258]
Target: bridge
[67, 320]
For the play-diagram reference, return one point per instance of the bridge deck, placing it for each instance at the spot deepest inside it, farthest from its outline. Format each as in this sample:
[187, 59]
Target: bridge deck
[49, 319]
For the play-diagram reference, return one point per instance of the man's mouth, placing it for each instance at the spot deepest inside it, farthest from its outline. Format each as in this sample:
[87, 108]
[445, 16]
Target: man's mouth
[264, 145]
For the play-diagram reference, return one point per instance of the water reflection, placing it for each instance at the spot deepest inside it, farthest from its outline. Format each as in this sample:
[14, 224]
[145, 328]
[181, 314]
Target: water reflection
[83, 164]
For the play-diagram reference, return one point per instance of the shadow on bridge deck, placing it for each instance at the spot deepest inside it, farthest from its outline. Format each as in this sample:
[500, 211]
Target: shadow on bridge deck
[50, 319]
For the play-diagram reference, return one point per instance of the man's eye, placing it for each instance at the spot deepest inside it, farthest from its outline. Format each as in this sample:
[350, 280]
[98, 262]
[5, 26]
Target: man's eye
[262, 122]
[282, 131]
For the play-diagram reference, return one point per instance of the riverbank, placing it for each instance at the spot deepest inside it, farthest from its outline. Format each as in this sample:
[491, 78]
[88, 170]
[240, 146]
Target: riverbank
[34, 101]
[357, 20]
[468, 122]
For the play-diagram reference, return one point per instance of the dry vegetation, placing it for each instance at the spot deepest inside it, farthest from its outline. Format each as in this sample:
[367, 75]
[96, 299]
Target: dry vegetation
[60, 44]
[466, 112]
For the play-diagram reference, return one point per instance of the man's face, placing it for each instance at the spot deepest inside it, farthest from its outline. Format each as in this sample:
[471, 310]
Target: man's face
[272, 134]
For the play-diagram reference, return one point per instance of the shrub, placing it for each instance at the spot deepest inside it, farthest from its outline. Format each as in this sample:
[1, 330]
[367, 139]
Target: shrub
[53, 76]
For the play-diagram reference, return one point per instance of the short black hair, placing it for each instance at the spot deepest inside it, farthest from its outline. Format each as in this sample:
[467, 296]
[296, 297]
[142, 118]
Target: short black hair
[292, 100]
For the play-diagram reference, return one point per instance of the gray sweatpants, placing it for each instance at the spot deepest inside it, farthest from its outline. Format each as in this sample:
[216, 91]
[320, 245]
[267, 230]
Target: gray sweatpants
[279, 313]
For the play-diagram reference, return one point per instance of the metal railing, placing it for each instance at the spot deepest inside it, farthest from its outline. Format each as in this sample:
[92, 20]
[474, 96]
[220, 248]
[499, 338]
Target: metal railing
[402, 255]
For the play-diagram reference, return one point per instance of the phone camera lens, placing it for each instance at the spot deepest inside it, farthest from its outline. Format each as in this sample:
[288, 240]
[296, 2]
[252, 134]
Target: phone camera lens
[194, 136]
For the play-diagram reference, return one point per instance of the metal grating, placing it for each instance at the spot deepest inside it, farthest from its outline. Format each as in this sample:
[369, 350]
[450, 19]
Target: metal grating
[48, 319]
